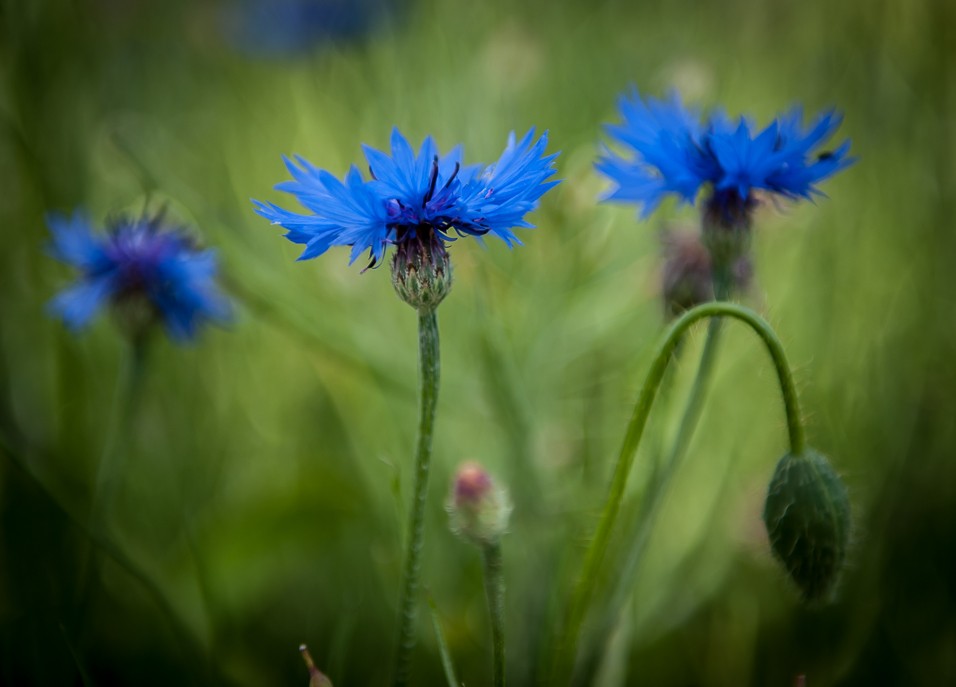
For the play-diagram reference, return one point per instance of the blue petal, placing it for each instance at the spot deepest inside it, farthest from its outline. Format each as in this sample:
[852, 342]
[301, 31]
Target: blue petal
[674, 154]
[664, 140]
[138, 257]
[410, 191]
[77, 305]
[74, 242]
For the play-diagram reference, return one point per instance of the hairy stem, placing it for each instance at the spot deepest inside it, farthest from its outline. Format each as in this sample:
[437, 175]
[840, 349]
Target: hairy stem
[495, 591]
[625, 577]
[584, 589]
[428, 370]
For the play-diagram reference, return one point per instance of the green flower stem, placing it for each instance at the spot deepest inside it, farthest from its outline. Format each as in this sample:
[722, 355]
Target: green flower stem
[495, 591]
[428, 369]
[626, 575]
[685, 433]
[585, 587]
[128, 388]
[23, 456]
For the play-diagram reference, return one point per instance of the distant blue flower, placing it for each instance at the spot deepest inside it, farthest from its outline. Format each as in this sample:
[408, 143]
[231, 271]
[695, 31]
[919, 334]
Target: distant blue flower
[290, 27]
[673, 152]
[138, 260]
[427, 196]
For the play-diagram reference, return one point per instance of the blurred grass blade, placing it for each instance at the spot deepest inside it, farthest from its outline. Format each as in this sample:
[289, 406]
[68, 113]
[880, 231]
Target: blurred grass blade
[446, 661]
[290, 320]
[80, 668]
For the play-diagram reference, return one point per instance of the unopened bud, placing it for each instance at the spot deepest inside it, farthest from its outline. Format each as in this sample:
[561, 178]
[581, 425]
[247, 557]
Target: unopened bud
[478, 508]
[421, 271]
[807, 515]
[686, 280]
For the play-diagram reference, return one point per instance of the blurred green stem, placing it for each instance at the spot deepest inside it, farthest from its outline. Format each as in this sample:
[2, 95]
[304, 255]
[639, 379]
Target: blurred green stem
[189, 643]
[585, 586]
[649, 509]
[650, 506]
[429, 371]
[625, 577]
[125, 400]
[447, 665]
[128, 387]
[495, 591]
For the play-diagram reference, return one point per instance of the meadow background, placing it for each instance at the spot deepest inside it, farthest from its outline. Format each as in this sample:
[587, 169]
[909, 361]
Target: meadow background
[263, 495]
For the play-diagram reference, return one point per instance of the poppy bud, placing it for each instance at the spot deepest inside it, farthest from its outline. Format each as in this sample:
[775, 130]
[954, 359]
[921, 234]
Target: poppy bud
[807, 515]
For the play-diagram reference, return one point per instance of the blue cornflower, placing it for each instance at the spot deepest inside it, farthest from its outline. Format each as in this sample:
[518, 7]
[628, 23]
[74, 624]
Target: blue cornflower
[290, 27]
[424, 199]
[144, 268]
[674, 152]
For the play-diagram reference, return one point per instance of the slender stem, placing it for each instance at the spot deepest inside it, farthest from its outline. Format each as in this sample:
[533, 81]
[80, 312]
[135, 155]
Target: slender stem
[428, 370]
[495, 591]
[117, 439]
[128, 386]
[585, 587]
[698, 390]
[447, 665]
[626, 575]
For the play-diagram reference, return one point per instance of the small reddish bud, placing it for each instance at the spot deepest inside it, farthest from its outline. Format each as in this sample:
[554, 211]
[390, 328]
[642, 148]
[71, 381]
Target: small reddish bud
[687, 279]
[478, 508]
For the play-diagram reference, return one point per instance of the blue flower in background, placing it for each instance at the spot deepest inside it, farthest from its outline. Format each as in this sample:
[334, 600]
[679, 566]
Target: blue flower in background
[673, 152]
[289, 27]
[137, 262]
[428, 197]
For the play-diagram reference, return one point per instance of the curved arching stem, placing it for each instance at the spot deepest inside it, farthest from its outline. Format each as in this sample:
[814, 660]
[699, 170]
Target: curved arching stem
[584, 589]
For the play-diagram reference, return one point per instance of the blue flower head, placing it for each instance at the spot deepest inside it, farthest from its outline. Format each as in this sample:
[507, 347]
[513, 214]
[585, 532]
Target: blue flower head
[672, 151]
[281, 28]
[138, 266]
[424, 198]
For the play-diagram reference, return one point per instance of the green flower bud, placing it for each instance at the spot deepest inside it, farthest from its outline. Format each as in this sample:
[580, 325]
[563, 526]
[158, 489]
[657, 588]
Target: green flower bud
[421, 271]
[807, 515]
[478, 509]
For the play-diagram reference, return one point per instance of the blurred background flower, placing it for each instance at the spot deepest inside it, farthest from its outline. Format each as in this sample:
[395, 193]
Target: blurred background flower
[281, 28]
[673, 151]
[146, 271]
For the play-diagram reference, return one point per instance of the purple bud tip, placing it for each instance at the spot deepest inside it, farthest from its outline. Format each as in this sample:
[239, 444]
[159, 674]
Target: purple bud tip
[478, 508]
[472, 484]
